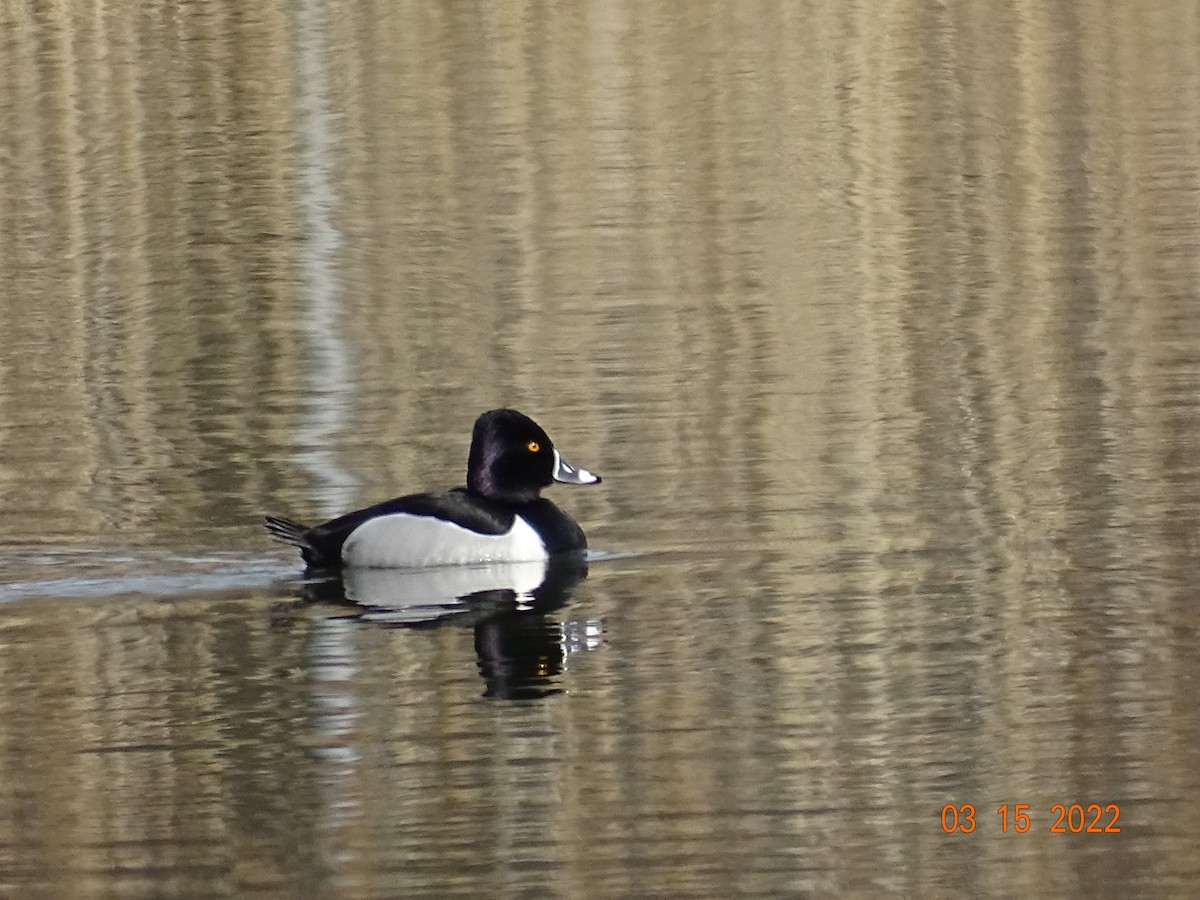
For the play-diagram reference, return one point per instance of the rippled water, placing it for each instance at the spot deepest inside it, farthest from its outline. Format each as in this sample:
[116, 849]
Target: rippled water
[881, 324]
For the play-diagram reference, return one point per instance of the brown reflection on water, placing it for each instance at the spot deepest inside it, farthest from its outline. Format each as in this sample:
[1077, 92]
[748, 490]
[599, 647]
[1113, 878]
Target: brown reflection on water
[147, 230]
[880, 323]
[154, 749]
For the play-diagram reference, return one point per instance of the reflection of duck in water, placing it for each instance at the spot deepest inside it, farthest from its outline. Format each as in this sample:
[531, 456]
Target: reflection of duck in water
[520, 650]
[498, 516]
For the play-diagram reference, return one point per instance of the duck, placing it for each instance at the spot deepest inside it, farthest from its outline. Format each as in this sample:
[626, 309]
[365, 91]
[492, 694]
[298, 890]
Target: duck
[499, 515]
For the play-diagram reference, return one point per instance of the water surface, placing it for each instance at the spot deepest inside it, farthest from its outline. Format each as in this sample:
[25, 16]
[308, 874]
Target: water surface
[881, 325]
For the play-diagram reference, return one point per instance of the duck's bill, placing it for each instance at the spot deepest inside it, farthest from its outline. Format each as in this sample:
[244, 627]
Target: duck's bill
[569, 474]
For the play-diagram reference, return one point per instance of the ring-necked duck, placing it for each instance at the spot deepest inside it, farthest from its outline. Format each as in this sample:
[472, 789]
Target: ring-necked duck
[498, 516]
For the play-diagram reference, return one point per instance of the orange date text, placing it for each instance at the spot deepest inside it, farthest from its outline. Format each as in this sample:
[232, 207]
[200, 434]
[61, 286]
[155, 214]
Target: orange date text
[1073, 818]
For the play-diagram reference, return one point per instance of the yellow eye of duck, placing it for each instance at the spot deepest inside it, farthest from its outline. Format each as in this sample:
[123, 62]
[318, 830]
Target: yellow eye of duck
[533, 446]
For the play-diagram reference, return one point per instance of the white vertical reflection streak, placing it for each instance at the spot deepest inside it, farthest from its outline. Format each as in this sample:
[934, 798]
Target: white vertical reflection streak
[337, 711]
[332, 655]
[329, 371]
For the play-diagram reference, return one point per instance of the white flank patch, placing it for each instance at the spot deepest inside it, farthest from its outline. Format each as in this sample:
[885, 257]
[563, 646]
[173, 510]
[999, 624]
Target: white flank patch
[405, 541]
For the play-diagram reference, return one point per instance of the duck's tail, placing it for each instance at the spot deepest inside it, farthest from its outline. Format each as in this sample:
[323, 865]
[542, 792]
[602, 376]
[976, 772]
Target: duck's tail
[287, 531]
